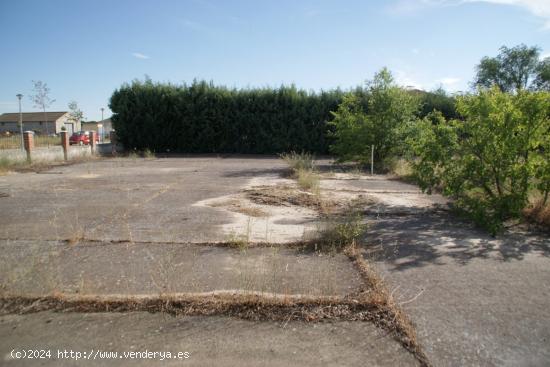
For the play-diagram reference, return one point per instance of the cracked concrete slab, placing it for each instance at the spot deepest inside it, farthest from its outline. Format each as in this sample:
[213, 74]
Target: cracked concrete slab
[49, 267]
[210, 341]
[475, 300]
[148, 199]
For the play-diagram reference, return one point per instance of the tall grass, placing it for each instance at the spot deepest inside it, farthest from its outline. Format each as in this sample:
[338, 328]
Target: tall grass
[299, 161]
[302, 166]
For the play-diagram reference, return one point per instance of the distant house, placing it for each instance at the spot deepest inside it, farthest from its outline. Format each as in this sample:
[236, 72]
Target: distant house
[103, 126]
[35, 121]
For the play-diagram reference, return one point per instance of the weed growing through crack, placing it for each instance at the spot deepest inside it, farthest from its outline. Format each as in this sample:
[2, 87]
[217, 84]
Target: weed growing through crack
[237, 241]
[240, 241]
[337, 233]
[302, 166]
[299, 161]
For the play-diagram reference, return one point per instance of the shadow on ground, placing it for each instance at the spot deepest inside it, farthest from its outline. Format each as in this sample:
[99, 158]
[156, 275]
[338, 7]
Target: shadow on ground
[417, 239]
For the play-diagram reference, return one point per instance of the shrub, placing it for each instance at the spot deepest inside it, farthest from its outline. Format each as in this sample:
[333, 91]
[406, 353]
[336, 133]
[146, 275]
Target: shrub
[203, 118]
[357, 128]
[490, 161]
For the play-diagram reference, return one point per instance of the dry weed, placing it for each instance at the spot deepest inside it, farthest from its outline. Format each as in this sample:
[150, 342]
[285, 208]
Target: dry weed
[539, 213]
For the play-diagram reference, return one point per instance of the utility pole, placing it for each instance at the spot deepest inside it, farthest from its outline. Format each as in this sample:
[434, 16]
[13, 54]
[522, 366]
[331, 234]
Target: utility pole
[19, 96]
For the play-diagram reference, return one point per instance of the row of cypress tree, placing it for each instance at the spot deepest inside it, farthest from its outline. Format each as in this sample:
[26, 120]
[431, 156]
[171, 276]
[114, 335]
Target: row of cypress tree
[204, 118]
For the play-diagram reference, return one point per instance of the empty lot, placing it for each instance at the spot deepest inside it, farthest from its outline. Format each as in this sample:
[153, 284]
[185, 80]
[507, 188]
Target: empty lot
[156, 227]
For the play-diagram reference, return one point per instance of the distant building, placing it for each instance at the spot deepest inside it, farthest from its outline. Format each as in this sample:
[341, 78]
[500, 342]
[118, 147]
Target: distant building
[35, 121]
[106, 126]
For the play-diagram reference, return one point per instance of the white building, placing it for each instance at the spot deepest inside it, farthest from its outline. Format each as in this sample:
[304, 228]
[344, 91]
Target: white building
[35, 121]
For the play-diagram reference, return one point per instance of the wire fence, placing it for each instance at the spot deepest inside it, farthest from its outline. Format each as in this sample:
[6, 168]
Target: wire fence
[14, 141]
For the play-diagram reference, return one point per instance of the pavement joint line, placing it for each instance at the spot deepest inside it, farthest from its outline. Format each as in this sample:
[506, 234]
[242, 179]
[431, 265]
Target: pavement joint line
[204, 244]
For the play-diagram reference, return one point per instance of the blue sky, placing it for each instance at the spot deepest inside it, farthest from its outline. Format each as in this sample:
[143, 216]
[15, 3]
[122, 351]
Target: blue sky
[84, 50]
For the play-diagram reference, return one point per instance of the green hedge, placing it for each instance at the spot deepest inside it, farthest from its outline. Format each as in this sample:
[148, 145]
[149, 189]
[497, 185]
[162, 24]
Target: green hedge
[203, 118]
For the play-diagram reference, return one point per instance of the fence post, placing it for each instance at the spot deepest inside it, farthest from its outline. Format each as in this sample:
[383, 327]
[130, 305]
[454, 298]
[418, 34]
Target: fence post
[28, 138]
[65, 144]
[93, 137]
[372, 160]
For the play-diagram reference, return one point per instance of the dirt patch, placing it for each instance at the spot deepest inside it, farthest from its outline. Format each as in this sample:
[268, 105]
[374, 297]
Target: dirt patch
[239, 206]
[288, 195]
[283, 195]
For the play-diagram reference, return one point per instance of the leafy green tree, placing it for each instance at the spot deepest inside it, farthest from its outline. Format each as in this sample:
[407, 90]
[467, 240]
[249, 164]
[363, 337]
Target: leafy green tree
[389, 107]
[490, 161]
[352, 130]
[513, 69]
[542, 80]
[437, 100]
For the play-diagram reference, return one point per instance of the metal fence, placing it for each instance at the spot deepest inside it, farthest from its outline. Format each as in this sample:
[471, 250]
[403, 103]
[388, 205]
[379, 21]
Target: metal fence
[14, 141]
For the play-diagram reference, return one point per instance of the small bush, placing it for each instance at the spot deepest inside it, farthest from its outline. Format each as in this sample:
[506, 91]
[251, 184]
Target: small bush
[299, 161]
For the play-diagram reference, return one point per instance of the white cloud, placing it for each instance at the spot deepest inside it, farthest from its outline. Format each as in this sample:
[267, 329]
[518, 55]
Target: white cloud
[138, 55]
[448, 81]
[539, 8]
[544, 55]
[407, 80]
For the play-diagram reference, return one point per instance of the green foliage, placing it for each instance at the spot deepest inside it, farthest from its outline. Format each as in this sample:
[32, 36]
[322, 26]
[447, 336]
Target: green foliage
[542, 80]
[513, 69]
[437, 100]
[490, 161]
[352, 131]
[389, 107]
[203, 118]
[337, 234]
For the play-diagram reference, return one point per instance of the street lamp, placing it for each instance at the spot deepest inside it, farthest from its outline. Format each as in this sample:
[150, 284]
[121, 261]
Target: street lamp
[19, 96]
[101, 137]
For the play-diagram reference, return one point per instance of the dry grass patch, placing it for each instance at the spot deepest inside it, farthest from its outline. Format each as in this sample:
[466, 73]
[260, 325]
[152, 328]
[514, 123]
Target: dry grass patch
[539, 213]
[251, 306]
[285, 195]
[377, 292]
[235, 205]
[9, 165]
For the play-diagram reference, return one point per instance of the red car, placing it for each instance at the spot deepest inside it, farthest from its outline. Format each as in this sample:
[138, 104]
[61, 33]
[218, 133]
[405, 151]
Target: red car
[81, 138]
